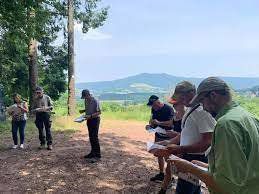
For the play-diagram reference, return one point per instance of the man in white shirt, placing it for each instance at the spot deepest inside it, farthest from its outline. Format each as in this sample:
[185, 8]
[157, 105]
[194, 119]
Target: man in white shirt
[195, 138]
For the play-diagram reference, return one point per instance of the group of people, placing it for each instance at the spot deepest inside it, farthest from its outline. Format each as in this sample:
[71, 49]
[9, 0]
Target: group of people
[42, 107]
[206, 129]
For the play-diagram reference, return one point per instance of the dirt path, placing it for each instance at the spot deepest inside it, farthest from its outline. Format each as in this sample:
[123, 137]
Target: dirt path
[125, 167]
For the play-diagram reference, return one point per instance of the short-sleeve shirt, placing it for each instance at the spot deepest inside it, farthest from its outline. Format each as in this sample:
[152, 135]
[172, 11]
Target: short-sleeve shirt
[166, 113]
[92, 106]
[17, 113]
[195, 124]
[44, 101]
[234, 154]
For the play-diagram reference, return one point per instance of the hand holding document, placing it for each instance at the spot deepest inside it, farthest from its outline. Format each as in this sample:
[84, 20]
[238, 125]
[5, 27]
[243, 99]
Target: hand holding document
[42, 109]
[80, 119]
[10, 110]
[153, 146]
[183, 168]
[156, 130]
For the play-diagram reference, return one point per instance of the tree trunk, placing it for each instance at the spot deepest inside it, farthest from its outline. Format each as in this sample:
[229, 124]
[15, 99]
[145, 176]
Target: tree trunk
[71, 69]
[2, 107]
[33, 69]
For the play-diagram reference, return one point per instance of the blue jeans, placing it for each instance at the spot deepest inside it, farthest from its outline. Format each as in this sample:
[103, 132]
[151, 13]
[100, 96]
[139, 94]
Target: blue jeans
[18, 125]
[184, 187]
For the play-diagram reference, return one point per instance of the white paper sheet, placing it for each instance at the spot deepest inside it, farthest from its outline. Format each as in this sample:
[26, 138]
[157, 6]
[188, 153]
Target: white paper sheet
[157, 130]
[80, 119]
[151, 146]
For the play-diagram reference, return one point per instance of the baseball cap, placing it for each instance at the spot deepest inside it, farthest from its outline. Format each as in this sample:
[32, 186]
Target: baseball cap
[183, 88]
[152, 99]
[85, 92]
[207, 85]
[38, 88]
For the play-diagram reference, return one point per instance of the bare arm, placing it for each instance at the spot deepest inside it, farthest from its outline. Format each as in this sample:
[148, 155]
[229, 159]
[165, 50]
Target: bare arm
[175, 140]
[187, 167]
[200, 146]
[199, 163]
[50, 104]
[165, 123]
[24, 108]
[207, 178]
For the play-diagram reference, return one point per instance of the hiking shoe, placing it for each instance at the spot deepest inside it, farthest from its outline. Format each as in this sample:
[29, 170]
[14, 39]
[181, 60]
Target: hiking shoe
[90, 155]
[15, 147]
[93, 160]
[158, 178]
[49, 147]
[162, 191]
[42, 146]
[22, 146]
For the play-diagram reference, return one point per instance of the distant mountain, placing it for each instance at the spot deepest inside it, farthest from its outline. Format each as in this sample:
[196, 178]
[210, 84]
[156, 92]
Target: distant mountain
[159, 83]
[252, 92]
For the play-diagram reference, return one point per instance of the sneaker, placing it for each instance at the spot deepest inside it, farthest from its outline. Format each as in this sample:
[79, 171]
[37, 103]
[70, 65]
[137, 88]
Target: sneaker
[49, 147]
[22, 146]
[15, 146]
[158, 178]
[42, 146]
[90, 155]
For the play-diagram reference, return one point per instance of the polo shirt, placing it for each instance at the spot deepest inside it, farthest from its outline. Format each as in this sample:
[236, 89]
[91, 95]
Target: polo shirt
[92, 106]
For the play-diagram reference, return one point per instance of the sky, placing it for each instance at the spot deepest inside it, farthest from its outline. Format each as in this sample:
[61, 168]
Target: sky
[191, 38]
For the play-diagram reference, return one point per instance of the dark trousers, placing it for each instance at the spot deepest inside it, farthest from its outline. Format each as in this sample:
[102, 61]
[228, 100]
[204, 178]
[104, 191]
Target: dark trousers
[93, 129]
[43, 121]
[185, 187]
[18, 125]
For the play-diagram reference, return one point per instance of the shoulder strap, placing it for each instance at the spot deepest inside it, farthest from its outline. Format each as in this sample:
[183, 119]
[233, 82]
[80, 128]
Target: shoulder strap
[189, 113]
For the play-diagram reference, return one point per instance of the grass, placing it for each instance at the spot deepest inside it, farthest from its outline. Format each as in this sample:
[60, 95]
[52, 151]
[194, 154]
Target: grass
[132, 112]
[110, 110]
[59, 125]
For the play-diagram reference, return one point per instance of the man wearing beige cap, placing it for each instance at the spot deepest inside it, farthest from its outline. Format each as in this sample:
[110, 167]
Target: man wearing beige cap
[195, 138]
[234, 155]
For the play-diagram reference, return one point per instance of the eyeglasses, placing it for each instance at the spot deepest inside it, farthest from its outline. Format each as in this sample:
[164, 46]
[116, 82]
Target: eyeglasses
[38, 92]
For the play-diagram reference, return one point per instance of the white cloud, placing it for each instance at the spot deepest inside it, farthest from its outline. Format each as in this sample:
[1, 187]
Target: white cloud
[92, 34]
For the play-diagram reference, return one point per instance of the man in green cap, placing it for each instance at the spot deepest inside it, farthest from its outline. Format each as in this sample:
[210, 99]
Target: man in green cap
[234, 155]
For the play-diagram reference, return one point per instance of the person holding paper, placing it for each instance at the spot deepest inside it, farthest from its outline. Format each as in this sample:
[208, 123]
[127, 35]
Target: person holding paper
[234, 155]
[177, 119]
[92, 115]
[18, 112]
[161, 116]
[42, 106]
[195, 138]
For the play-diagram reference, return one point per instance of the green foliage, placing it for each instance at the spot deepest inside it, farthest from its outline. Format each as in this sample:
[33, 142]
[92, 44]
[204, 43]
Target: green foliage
[6, 127]
[250, 104]
[44, 21]
[60, 125]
